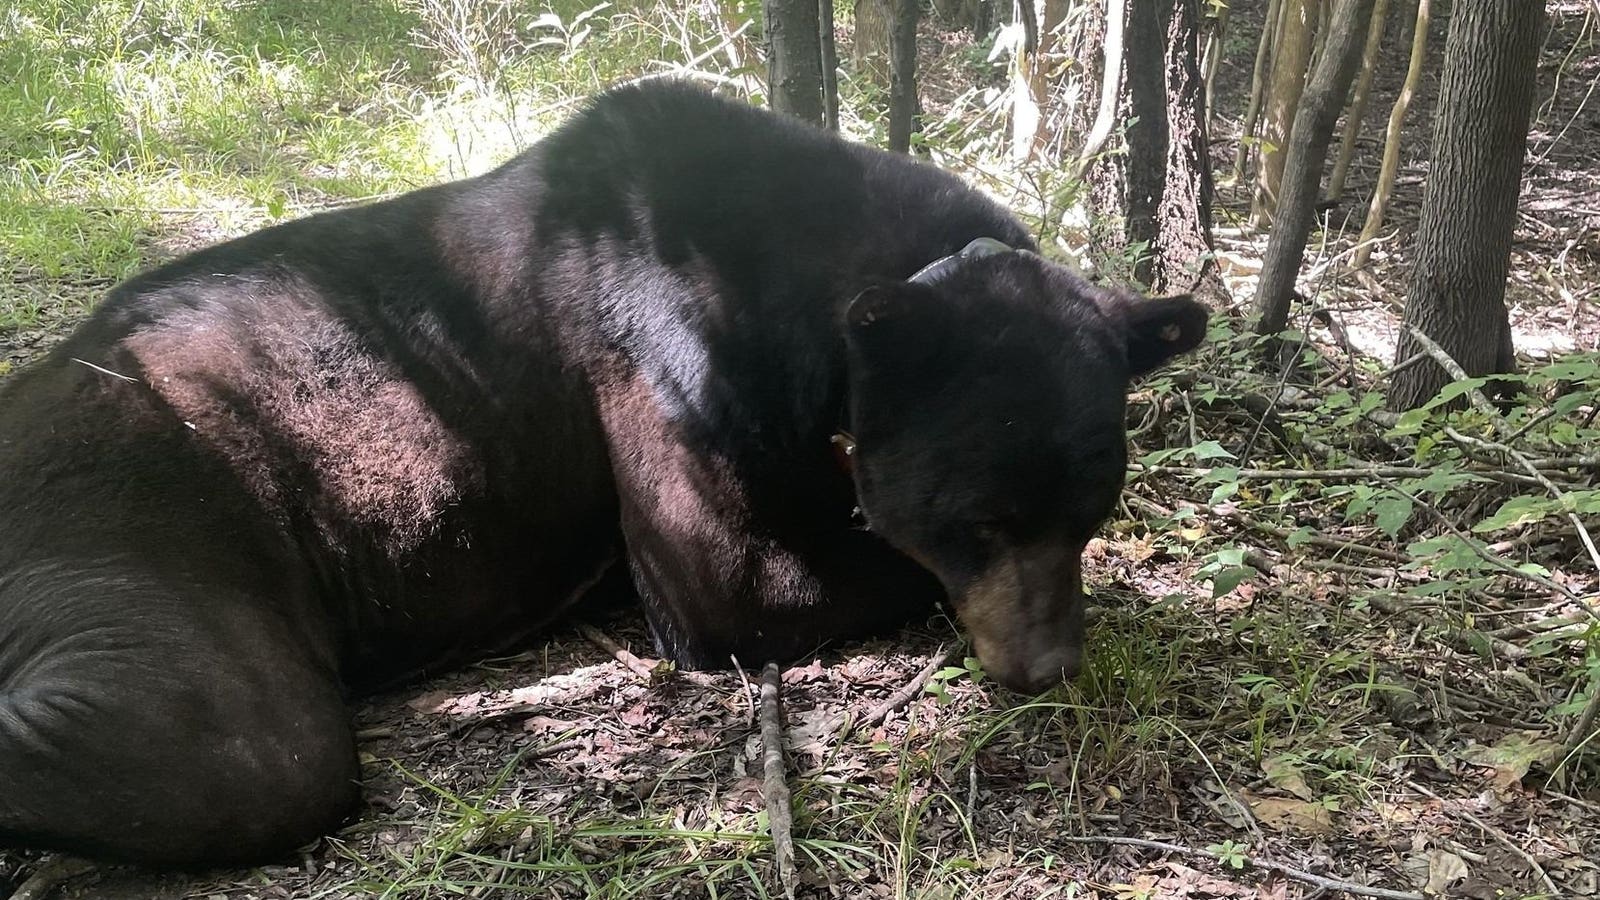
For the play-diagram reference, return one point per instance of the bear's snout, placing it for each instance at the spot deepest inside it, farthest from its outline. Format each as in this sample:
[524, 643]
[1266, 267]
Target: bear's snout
[1025, 614]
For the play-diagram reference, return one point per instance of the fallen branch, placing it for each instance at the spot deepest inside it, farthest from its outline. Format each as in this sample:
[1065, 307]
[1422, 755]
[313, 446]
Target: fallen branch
[908, 692]
[51, 875]
[1582, 730]
[1301, 875]
[774, 784]
[648, 671]
[1350, 473]
[1467, 641]
[1583, 533]
[1453, 368]
[1500, 836]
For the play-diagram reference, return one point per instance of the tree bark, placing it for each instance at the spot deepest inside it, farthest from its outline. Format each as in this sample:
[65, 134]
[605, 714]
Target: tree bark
[869, 50]
[1292, 45]
[1307, 151]
[1258, 77]
[830, 65]
[903, 74]
[1182, 258]
[794, 58]
[1105, 117]
[1358, 102]
[1456, 293]
[1144, 73]
[1029, 84]
[1391, 140]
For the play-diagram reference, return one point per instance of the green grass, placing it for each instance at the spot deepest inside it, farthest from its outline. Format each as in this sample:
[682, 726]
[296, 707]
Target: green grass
[134, 129]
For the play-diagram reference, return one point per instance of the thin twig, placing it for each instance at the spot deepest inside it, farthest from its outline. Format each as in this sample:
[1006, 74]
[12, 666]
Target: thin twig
[1476, 548]
[774, 783]
[1583, 729]
[1453, 368]
[639, 667]
[908, 692]
[1311, 878]
[1583, 533]
[749, 698]
[1500, 836]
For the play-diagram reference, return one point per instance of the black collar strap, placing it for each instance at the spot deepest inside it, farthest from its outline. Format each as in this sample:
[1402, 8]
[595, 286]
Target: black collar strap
[939, 268]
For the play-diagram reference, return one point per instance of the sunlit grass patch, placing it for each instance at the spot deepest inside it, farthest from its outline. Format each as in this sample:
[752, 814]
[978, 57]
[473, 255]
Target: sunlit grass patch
[133, 130]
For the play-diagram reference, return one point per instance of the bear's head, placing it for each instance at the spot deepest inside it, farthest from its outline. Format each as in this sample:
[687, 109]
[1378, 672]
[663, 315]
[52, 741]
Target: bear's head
[986, 401]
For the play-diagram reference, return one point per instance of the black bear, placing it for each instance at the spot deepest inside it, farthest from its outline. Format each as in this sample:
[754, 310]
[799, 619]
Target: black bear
[375, 442]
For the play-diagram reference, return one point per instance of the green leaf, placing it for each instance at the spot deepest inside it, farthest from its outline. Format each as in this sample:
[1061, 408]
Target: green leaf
[1518, 511]
[1226, 580]
[1392, 513]
[1208, 450]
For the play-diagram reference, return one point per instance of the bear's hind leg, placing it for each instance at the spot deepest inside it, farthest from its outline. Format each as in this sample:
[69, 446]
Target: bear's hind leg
[168, 733]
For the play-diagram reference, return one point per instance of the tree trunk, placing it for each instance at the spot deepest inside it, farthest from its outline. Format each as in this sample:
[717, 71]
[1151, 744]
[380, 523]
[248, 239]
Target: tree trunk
[1358, 103]
[1307, 151]
[1029, 84]
[830, 65]
[1212, 60]
[1292, 45]
[869, 51]
[1144, 72]
[1391, 140]
[1252, 113]
[1105, 117]
[1456, 294]
[1182, 258]
[903, 74]
[794, 58]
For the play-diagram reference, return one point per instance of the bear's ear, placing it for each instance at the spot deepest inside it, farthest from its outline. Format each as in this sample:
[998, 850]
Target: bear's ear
[881, 304]
[1161, 329]
[897, 326]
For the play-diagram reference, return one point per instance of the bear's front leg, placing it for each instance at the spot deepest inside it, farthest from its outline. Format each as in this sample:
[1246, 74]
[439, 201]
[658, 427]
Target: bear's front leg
[718, 579]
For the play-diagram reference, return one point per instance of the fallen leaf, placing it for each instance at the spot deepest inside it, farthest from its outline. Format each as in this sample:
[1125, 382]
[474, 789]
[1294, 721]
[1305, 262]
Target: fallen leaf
[1511, 757]
[1283, 773]
[641, 717]
[811, 730]
[1289, 814]
[431, 702]
[805, 674]
[1444, 869]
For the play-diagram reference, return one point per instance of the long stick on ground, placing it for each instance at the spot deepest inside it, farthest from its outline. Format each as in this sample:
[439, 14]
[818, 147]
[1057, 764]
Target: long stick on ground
[51, 875]
[774, 783]
[1504, 839]
[1391, 141]
[620, 653]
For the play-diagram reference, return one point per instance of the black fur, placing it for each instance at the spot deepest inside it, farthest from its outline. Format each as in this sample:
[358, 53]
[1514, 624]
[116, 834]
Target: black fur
[377, 442]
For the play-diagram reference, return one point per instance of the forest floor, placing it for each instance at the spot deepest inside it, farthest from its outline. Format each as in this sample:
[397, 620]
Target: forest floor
[1293, 690]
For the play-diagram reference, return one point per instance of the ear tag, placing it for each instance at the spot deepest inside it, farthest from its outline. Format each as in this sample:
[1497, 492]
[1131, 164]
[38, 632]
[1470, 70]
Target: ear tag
[844, 450]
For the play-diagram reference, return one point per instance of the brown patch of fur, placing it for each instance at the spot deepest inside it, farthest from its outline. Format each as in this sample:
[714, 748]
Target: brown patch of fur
[290, 397]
